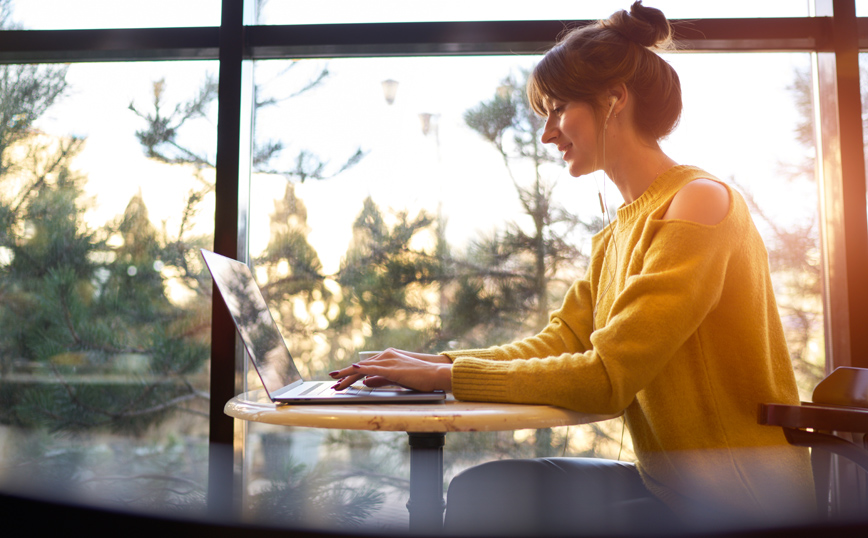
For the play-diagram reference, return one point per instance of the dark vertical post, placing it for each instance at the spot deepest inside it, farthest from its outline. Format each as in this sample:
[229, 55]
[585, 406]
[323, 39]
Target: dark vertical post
[843, 214]
[842, 190]
[426, 482]
[221, 477]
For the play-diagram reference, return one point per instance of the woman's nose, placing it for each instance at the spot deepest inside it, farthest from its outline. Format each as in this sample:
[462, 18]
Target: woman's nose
[549, 132]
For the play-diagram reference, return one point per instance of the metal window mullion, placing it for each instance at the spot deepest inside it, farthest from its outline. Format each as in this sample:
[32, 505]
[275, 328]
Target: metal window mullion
[842, 191]
[230, 232]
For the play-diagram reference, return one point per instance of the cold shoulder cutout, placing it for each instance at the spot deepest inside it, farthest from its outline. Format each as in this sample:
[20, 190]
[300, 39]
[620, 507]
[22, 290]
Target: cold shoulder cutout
[703, 201]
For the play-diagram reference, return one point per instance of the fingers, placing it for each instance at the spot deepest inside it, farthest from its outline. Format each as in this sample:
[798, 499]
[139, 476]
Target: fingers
[376, 366]
[377, 381]
[346, 381]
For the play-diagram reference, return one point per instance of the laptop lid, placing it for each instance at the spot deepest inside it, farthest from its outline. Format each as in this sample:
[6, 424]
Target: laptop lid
[262, 339]
[268, 352]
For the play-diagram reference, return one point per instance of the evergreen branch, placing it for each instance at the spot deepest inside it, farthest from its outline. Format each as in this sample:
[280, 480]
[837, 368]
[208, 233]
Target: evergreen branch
[307, 277]
[193, 412]
[146, 476]
[64, 153]
[192, 157]
[394, 481]
[75, 400]
[156, 408]
[67, 317]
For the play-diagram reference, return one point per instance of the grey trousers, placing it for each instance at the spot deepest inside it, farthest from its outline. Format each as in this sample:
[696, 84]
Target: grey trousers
[554, 496]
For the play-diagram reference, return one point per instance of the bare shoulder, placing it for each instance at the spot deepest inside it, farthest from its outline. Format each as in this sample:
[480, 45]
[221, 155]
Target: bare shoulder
[702, 201]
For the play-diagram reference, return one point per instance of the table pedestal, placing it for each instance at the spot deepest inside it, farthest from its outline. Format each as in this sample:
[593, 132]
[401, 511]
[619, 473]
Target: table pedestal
[426, 424]
[426, 502]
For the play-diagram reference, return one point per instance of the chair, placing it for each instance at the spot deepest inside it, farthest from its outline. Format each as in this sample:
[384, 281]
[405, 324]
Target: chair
[835, 422]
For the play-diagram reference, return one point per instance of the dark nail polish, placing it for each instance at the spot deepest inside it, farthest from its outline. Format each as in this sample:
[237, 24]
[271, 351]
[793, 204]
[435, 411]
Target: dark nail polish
[356, 366]
[334, 374]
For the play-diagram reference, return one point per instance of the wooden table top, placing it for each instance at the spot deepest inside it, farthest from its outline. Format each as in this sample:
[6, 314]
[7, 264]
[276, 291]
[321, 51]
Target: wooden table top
[445, 416]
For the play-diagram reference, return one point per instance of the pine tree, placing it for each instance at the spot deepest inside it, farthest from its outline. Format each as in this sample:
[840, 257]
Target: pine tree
[387, 283]
[295, 286]
[510, 277]
[507, 282]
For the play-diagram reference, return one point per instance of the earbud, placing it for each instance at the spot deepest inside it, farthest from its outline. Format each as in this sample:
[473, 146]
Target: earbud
[612, 101]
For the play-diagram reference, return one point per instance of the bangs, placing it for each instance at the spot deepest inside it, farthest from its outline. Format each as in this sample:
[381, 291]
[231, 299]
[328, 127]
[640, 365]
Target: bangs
[542, 85]
[559, 76]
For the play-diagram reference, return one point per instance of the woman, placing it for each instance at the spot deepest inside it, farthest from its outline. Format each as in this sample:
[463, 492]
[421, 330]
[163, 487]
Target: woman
[675, 323]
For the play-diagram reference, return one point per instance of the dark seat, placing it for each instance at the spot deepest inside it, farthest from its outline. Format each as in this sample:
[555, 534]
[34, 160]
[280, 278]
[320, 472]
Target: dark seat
[834, 423]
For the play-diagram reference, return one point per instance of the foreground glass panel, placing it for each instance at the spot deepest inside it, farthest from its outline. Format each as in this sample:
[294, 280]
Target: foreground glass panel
[394, 204]
[354, 11]
[94, 14]
[106, 196]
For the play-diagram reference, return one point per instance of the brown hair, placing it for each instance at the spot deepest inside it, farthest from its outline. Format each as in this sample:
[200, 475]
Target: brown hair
[589, 60]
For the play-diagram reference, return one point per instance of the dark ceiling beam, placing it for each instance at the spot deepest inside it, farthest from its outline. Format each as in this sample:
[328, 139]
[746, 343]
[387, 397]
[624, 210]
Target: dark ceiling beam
[62, 46]
[395, 39]
[522, 37]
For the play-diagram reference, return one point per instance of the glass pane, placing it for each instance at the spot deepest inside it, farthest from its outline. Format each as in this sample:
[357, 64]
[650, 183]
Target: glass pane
[106, 193]
[93, 14]
[354, 11]
[765, 148]
[386, 211]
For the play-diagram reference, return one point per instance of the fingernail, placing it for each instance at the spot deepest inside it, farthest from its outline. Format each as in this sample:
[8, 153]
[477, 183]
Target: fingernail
[335, 386]
[356, 366]
[334, 374]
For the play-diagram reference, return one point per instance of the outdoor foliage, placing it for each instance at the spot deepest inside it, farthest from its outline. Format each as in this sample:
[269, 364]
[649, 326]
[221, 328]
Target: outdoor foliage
[94, 342]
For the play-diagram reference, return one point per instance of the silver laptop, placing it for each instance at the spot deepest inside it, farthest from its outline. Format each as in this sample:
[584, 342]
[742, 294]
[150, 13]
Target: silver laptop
[267, 349]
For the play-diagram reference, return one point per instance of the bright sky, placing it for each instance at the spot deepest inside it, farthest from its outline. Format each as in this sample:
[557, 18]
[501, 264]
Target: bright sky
[738, 119]
[56, 14]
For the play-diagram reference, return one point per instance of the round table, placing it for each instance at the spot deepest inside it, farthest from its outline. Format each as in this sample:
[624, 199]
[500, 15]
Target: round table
[426, 424]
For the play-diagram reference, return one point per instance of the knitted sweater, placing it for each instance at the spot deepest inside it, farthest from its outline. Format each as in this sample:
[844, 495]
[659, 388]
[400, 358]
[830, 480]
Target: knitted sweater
[675, 323]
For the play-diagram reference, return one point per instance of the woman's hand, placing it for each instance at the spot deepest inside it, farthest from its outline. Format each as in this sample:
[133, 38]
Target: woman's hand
[420, 371]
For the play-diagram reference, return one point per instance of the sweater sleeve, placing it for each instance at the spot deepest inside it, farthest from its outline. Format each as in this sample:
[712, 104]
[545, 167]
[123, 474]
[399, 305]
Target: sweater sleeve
[666, 295]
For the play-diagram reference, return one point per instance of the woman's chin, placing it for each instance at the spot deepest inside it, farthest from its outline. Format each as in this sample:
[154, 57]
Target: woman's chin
[579, 171]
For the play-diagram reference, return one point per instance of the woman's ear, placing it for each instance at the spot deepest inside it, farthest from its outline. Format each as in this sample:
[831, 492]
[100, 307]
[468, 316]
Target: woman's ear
[617, 100]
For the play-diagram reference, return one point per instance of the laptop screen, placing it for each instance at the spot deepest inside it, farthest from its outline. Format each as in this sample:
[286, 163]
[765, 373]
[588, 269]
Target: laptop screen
[254, 322]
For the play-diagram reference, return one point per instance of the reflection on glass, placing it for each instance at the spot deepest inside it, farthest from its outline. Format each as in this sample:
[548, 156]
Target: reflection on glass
[401, 214]
[354, 11]
[105, 192]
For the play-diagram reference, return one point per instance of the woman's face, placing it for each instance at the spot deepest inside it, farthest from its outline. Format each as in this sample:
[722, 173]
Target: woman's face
[572, 127]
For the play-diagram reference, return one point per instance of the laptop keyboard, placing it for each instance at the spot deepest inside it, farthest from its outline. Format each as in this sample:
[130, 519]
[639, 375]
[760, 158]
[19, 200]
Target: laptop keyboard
[354, 390]
[315, 388]
[318, 388]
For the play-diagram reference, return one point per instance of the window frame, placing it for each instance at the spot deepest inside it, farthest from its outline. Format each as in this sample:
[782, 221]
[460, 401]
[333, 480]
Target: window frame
[834, 37]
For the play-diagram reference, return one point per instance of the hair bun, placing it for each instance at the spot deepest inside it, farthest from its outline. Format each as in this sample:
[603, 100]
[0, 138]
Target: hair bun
[646, 26]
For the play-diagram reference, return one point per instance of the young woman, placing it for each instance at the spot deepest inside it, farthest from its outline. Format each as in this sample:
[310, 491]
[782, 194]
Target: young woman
[674, 323]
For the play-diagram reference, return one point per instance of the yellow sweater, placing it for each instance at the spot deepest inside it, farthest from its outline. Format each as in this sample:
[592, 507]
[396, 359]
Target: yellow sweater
[688, 341]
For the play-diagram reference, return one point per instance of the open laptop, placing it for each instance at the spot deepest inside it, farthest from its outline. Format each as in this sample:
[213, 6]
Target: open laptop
[268, 352]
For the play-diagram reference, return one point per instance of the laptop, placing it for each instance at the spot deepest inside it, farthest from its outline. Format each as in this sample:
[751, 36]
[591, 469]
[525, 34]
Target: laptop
[268, 352]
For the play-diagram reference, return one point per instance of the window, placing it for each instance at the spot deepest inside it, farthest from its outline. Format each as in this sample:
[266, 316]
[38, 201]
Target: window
[105, 200]
[369, 181]
[107, 193]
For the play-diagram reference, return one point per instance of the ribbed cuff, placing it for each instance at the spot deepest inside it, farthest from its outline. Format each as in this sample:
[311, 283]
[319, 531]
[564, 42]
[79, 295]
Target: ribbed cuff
[488, 354]
[478, 379]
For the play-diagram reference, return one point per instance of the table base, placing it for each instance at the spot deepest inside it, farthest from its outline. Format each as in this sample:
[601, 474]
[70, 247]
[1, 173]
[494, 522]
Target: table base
[426, 504]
